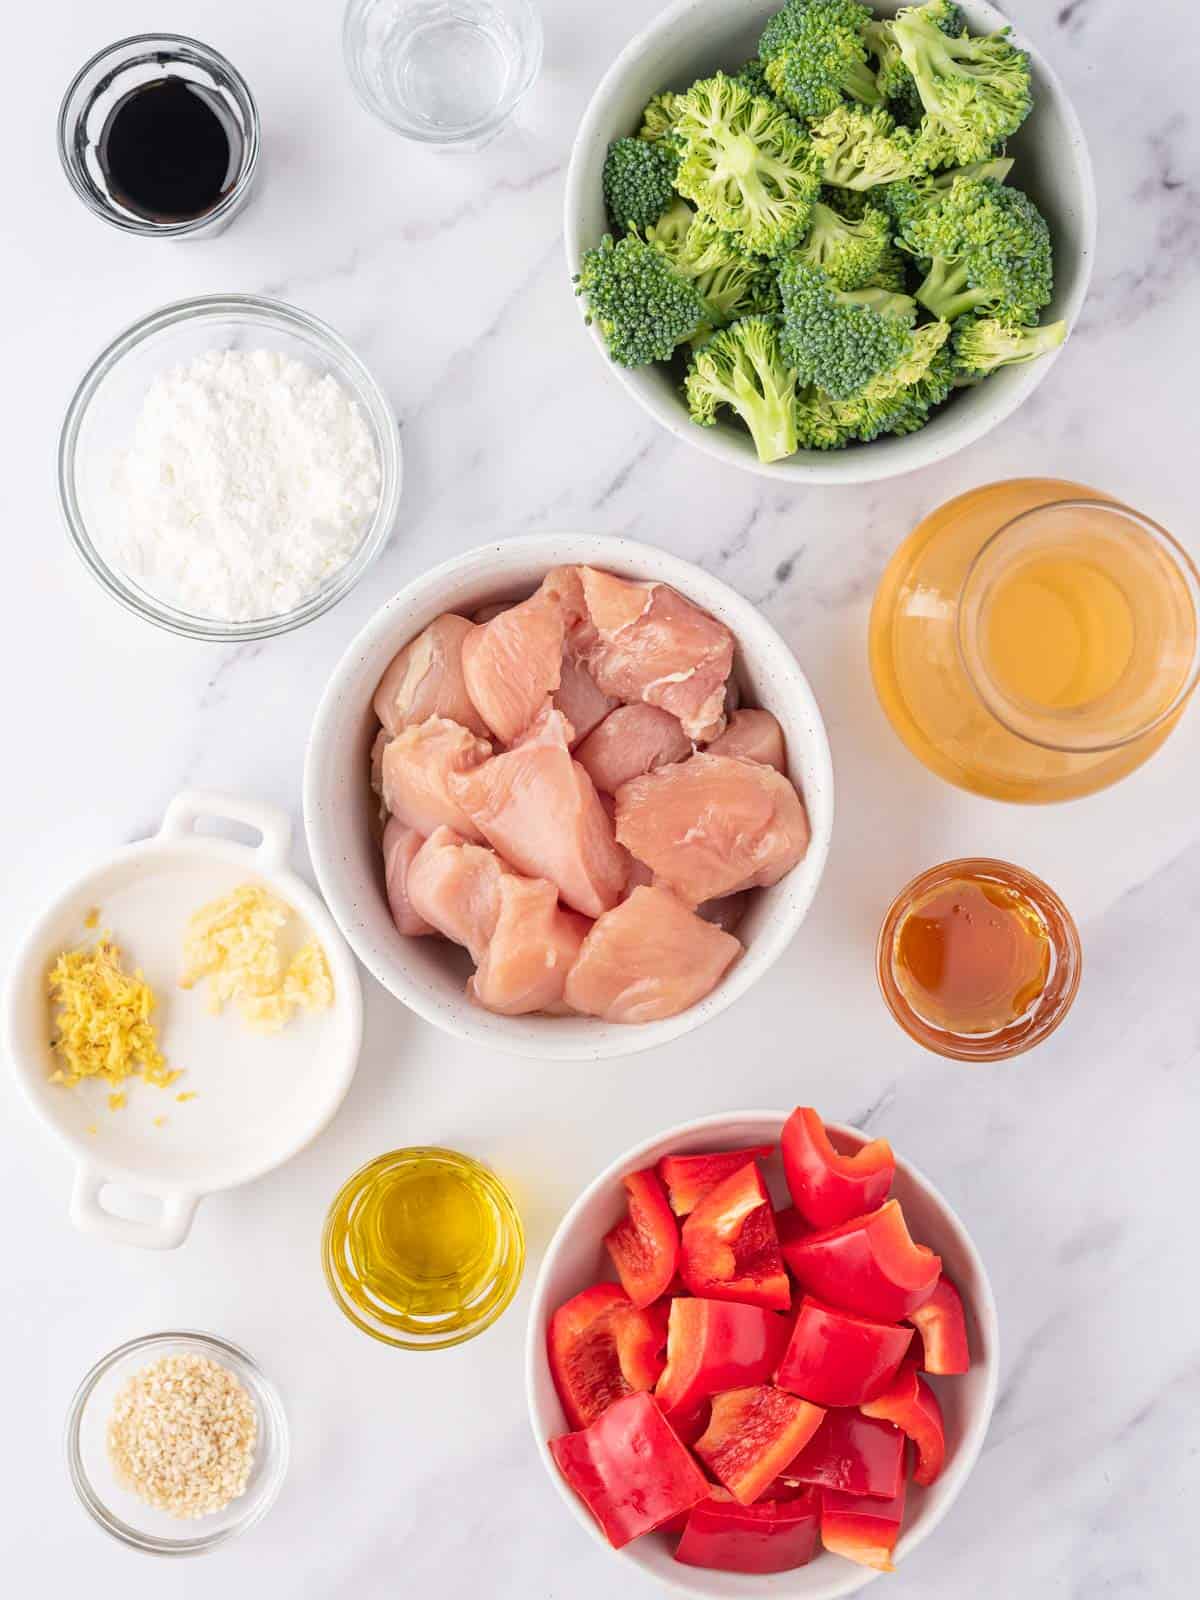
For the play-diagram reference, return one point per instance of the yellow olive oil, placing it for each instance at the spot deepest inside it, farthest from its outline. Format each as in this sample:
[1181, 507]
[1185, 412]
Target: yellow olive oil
[423, 1248]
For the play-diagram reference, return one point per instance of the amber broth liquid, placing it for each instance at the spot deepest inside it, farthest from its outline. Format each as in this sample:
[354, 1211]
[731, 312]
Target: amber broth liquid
[1039, 665]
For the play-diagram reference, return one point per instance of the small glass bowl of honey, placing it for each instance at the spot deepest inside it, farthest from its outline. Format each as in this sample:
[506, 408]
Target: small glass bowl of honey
[978, 960]
[423, 1248]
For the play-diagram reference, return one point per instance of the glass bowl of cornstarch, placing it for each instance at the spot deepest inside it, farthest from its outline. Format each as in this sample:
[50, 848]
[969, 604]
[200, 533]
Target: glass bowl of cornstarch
[229, 468]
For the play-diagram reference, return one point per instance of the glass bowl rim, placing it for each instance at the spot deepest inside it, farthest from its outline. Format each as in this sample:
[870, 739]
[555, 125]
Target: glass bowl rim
[961, 1047]
[134, 225]
[408, 129]
[266, 1398]
[380, 418]
[994, 703]
[404, 1155]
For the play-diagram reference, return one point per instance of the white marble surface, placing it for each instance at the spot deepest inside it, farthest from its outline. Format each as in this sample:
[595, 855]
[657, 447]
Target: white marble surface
[1075, 1167]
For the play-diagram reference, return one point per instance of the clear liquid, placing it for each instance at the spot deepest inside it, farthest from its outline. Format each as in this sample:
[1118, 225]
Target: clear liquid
[447, 67]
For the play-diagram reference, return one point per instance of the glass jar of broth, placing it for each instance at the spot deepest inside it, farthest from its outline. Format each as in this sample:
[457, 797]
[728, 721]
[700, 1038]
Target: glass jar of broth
[1035, 640]
[423, 1248]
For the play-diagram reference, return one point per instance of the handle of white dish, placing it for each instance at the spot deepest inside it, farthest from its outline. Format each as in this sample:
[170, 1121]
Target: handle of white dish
[274, 825]
[168, 1230]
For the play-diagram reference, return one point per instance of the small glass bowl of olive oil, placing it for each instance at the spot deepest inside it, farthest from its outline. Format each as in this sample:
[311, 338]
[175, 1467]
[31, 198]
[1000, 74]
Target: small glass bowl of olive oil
[423, 1248]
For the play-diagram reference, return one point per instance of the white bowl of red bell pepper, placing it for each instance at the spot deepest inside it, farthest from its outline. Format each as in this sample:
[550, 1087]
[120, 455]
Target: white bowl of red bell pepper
[789, 1384]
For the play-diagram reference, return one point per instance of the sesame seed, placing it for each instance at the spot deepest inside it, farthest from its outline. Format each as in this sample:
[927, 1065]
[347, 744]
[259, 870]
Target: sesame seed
[182, 1434]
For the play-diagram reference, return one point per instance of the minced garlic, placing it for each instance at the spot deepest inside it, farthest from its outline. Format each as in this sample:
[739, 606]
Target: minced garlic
[103, 1019]
[234, 943]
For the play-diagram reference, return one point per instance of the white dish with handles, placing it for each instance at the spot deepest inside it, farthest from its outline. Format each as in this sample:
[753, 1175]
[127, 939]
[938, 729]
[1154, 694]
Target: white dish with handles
[693, 38]
[576, 1258]
[259, 1099]
[430, 975]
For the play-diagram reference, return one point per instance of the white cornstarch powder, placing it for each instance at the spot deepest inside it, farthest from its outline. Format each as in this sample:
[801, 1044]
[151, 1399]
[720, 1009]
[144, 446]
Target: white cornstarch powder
[250, 481]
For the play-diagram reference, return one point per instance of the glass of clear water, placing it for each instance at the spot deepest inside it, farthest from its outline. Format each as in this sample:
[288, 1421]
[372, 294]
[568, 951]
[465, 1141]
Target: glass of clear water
[447, 72]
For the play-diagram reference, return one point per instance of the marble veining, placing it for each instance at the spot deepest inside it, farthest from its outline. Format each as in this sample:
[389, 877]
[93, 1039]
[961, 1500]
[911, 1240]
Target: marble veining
[1073, 1167]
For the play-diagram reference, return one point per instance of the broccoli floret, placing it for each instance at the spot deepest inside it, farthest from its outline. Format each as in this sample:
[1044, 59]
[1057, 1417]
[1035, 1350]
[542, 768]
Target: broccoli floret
[747, 165]
[894, 79]
[643, 308]
[860, 149]
[838, 340]
[658, 126]
[752, 76]
[638, 182]
[975, 91]
[731, 282]
[983, 344]
[817, 423]
[988, 249]
[850, 253]
[905, 200]
[900, 399]
[743, 367]
[814, 53]
[848, 203]
[891, 273]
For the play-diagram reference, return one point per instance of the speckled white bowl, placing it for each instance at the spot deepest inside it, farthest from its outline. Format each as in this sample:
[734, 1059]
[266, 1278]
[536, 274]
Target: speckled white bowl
[691, 39]
[429, 974]
[576, 1258]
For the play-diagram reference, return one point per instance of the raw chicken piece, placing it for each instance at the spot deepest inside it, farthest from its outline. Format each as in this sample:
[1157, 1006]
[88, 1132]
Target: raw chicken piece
[654, 645]
[648, 959]
[631, 740]
[713, 825]
[417, 767]
[426, 679]
[727, 912]
[486, 613]
[377, 749]
[578, 697]
[755, 735]
[513, 662]
[540, 809]
[400, 846]
[532, 949]
[455, 886]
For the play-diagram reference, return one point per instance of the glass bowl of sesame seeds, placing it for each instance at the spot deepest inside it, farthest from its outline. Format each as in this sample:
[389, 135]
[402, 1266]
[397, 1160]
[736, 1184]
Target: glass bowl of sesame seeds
[176, 1443]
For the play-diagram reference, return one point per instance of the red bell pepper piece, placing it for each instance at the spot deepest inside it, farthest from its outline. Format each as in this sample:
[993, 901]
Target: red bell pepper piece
[869, 1265]
[853, 1453]
[644, 1245]
[943, 1328]
[911, 1404]
[601, 1348]
[837, 1359]
[772, 1536]
[714, 1345]
[827, 1185]
[689, 1178]
[860, 1529]
[630, 1470]
[729, 1249]
[753, 1435]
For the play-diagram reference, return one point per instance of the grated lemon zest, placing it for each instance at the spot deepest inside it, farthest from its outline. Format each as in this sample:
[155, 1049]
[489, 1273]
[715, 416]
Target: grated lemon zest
[234, 943]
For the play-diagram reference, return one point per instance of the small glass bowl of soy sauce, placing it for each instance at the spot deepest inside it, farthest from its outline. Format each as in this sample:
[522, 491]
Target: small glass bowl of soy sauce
[159, 136]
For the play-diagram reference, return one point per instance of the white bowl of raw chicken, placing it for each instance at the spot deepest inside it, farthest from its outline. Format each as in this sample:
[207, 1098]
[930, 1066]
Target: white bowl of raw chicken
[341, 812]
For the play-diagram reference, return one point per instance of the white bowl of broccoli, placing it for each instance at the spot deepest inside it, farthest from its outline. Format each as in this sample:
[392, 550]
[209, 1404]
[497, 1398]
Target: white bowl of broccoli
[834, 242]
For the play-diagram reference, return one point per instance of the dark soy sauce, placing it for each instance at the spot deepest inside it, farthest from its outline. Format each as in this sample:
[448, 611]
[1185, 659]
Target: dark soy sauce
[169, 150]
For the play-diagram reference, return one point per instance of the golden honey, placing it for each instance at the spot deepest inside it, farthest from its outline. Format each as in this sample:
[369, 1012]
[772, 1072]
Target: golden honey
[978, 960]
[423, 1248]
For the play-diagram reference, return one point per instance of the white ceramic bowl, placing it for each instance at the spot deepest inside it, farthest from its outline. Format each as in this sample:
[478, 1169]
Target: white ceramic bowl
[259, 1099]
[429, 974]
[690, 40]
[576, 1258]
